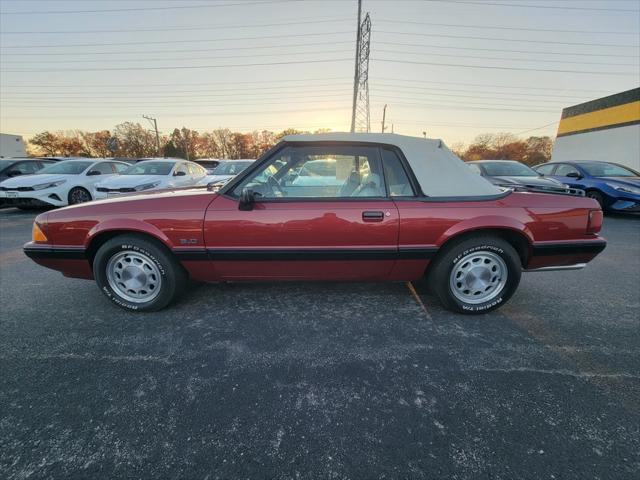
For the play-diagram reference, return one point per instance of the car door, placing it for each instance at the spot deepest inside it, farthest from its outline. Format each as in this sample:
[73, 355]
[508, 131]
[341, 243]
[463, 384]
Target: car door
[342, 226]
[99, 172]
[181, 176]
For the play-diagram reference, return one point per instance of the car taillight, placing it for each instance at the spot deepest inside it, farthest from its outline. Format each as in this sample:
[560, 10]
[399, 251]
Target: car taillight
[38, 235]
[594, 224]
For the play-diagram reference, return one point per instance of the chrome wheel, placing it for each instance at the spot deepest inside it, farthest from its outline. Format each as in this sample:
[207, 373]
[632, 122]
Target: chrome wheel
[134, 276]
[478, 277]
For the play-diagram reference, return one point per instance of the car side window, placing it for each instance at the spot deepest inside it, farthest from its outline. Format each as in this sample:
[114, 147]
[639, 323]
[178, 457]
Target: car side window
[182, 167]
[331, 171]
[120, 167]
[25, 168]
[396, 177]
[563, 170]
[104, 168]
[545, 169]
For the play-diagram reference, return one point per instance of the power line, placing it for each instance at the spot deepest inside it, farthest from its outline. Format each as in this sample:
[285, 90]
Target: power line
[527, 87]
[504, 50]
[181, 100]
[262, 37]
[503, 58]
[280, 46]
[146, 52]
[140, 9]
[523, 5]
[551, 42]
[189, 67]
[181, 84]
[503, 68]
[313, 52]
[537, 128]
[303, 21]
[500, 27]
[208, 114]
[172, 93]
[129, 60]
[185, 28]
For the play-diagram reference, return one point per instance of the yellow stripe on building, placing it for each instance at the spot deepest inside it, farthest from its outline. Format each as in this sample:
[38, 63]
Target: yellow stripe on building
[629, 112]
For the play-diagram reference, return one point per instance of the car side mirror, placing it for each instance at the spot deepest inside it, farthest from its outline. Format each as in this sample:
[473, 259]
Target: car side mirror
[91, 173]
[215, 186]
[13, 173]
[179, 174]
[574, 175]
[247, 199]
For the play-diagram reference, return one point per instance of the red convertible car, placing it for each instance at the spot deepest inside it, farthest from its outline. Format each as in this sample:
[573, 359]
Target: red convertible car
[326, 207]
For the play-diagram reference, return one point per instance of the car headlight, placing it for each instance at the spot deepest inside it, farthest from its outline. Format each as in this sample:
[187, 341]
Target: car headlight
[42, 186]
[146, 186]
[625, 188]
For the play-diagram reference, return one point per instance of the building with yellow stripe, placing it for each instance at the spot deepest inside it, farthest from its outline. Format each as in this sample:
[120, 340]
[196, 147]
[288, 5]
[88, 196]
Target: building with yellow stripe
[606, 129]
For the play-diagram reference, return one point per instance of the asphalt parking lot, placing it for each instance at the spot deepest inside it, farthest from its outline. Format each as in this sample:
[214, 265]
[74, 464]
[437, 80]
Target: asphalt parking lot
[321, 380]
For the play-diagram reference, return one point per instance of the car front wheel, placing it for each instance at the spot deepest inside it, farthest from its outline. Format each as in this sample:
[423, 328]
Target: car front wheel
[137, 274]
[78, 195]
[475, 275]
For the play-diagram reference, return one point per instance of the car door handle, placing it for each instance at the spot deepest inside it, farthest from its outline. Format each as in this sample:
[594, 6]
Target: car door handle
[372, 216]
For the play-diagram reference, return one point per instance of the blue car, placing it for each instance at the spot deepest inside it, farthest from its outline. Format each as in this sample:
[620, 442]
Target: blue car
[616, 188]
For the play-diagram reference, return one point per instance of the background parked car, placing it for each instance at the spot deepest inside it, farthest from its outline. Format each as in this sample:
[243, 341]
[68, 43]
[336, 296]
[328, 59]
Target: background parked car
[209, 164]
[152, 175]
[616, 188]
[62, 183]
[14, 167]
[226, 170]
[509, 173]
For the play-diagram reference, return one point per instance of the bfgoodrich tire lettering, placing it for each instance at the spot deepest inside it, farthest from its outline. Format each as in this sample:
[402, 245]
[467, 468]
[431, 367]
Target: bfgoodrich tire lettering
[162, 278]
[475, 275]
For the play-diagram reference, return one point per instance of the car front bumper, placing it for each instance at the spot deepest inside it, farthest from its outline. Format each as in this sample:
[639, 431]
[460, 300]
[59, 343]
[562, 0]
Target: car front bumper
[33, 198]
[625, 205]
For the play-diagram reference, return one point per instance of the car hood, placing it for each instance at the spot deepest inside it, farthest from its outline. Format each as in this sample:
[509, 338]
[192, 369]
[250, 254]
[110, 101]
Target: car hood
[217, 178]
[526, 181]
[125, 181]
[629, 181]
[31, 180]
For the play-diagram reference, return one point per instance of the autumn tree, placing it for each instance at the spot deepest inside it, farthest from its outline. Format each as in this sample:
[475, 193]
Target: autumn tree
[182, 143]
[59, 144]
[96, 143]
[46, 142]
[134, 141]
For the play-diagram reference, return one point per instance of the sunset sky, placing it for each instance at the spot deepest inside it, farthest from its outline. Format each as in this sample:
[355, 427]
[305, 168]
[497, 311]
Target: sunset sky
[451, 68]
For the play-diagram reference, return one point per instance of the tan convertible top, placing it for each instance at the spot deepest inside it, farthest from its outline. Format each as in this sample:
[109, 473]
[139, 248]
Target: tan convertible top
[438, 170]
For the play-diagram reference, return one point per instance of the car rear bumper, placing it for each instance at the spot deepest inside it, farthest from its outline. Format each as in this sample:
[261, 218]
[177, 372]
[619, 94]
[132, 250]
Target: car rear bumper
[564, 255]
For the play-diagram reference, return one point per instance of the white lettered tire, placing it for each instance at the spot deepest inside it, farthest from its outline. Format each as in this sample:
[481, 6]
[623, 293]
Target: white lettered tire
[138, 274]
[475, 275]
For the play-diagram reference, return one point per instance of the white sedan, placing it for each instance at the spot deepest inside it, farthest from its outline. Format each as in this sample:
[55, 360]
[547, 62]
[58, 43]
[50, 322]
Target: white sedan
[63, 183]
[152, 175]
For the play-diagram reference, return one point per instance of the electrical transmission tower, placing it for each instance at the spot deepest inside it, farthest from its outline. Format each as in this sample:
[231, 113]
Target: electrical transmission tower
[360, 118]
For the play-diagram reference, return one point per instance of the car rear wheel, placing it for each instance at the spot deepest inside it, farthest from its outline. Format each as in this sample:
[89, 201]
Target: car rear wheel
[475, 275]
[78, 195]
[137, 274]
[597, 196]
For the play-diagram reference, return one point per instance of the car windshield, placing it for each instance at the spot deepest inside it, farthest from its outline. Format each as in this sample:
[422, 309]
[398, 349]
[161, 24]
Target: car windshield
[69, 167]
[508, 169]
[230, 168]
[319, 168]
[602, 169]
[5, 163]
[149, 168]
